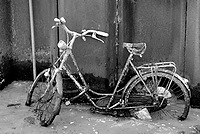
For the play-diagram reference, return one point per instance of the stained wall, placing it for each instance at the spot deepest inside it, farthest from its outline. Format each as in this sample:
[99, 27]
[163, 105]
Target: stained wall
[5, 42]
[169, 27]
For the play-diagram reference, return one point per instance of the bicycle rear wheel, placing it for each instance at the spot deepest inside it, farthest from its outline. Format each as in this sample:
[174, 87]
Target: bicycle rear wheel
[175, 97]
[38, 87]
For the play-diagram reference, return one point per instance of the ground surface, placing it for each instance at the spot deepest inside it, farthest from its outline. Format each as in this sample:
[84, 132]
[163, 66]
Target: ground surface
[77, 119]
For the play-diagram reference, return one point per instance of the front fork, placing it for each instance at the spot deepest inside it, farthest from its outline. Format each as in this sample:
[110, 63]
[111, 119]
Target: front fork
[59, 83]
[57, 78]
[57, 74]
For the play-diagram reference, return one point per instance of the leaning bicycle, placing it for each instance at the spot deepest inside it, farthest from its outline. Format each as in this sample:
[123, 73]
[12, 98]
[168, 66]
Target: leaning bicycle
[153, 86]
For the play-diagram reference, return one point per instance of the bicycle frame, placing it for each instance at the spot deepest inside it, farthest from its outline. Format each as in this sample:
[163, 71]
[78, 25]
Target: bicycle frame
[151, 87]
[84, 88]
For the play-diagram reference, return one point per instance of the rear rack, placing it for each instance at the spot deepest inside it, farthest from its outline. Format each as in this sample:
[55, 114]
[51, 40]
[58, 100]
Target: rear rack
[166, 65]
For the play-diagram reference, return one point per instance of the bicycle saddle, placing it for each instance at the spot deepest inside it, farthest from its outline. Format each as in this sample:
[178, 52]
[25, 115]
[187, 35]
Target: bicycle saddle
[135, 48]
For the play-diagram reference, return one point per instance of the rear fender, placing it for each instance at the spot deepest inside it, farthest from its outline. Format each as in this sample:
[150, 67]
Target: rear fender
[183, 80]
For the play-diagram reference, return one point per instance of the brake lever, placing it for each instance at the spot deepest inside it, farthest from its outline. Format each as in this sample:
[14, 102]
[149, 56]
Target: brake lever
[53, 26]
[58, 22]
[83, 38]
[95, 37]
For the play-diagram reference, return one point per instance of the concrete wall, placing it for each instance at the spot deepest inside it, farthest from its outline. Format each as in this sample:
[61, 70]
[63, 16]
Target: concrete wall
[171, 30]
[91, 55]
[43, 13]
[159, 23]
[21, 39]
[5, 41]
[193, 41]
[90, 14]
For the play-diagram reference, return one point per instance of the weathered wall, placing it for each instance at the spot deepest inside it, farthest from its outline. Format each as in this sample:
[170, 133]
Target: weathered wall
[43, 13]
[89, 14]
[91, 55]
[156, 23]
[193, 41]
[21, 43]
[171, 30]
[161, 25]
[5, 41]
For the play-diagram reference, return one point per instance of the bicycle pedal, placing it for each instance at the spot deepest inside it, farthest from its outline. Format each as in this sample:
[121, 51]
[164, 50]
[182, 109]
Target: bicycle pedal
[67, 103]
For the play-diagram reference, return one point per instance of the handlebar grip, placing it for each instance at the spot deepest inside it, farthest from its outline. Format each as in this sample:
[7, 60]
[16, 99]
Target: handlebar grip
[56, 20]
[85, 32]
[83, 38]
[102, 33]
[94, 33]
[60, 21]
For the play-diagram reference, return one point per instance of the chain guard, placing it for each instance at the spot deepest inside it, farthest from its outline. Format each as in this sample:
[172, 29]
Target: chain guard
[112, 112]
[133, 100]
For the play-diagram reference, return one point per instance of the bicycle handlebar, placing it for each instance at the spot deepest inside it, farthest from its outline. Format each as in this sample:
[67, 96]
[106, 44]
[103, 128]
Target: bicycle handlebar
[89, 33]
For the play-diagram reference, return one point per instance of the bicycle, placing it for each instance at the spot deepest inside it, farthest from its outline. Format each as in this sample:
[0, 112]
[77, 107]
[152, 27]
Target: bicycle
[154, 86]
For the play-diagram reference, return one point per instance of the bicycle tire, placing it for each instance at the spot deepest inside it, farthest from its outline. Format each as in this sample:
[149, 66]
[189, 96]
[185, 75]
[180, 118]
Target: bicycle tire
[49, 105]
[48, 108]
[37, 88]
[180, 93]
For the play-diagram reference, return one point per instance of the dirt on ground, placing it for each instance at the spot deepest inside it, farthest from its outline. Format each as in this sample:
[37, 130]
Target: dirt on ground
[16, 118]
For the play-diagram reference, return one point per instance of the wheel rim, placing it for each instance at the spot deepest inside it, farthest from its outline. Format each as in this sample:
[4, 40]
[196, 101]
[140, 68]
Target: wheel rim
[39, 87]
[176, 96]
[45, 108]
[176, 100]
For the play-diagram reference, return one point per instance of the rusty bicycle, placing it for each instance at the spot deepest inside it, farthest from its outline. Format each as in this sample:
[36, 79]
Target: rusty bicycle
[154, 86]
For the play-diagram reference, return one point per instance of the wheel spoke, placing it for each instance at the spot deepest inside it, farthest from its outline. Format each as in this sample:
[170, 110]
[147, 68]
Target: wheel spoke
[176, 103]
[43, 96]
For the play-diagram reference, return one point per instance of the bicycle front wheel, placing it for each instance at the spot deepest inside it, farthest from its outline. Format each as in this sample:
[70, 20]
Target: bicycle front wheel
[49, 104]
[48, 107]
[174, 93]
[38, 87]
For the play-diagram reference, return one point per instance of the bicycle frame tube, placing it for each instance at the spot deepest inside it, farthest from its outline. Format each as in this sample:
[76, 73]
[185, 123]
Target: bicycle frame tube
[128, 61]
[155, 66]
[140, 76]
[119, 80]
[67, 53]
[78, 70]
[51, 81]
[64, 57]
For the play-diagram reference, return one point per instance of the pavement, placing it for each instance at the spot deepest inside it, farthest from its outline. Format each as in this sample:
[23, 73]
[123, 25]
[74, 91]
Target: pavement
[16, 118]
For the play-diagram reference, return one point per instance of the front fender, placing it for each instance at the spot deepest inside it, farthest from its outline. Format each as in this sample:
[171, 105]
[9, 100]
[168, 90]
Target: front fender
[59, 83]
